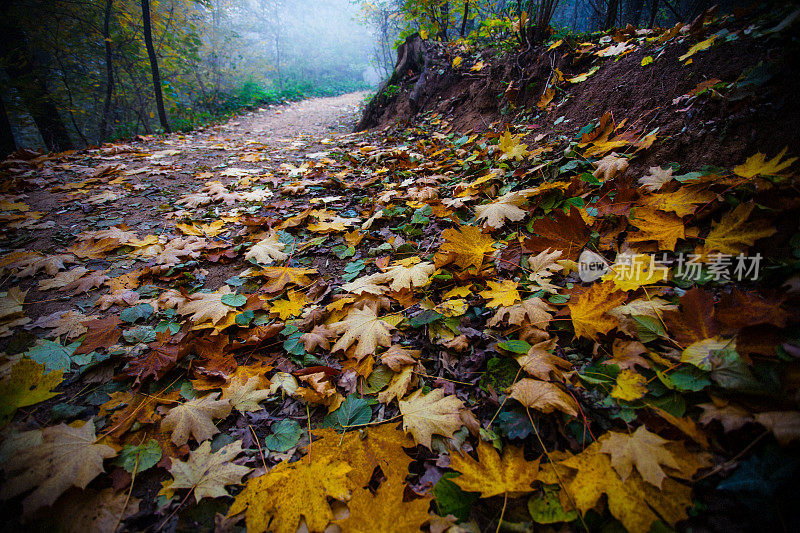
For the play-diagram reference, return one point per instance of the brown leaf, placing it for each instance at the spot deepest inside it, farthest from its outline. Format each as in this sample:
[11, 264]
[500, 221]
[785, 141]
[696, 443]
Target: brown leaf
[567, 233]
[101, 333]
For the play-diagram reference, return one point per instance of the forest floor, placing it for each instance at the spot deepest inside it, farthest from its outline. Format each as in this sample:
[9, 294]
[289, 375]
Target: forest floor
[180, 314]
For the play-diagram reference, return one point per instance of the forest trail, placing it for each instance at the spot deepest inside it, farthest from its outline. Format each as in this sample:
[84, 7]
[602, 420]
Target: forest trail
[313, 116]
[134, 183]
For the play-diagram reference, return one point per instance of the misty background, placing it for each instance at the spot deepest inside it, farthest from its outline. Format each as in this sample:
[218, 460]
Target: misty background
[85, 61]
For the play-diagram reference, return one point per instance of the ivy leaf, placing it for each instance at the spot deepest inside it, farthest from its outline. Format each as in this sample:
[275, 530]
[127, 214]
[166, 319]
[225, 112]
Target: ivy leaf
[285, 435]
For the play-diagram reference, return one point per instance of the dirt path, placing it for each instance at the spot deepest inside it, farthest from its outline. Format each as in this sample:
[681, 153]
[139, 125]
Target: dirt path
[312, 117]
[136, 184]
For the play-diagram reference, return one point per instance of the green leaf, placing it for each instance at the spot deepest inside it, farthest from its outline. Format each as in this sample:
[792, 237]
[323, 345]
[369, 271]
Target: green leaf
[140, 334]
[450, 499]
[514, 346]
[379, 378]
[244, 318]
[648, 328]
[132, 314]
[425, 317]
[546, 508]
[135, 459]
[285, 436]
[233, 300]
[53, 355]
[354, 411]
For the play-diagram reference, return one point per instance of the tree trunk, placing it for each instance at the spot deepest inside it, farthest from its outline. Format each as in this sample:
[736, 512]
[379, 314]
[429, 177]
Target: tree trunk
[104, 119]
[7, 143]
[653, 13]
[444, 21]
[151, 53]
[634, 12]
[464, 17]
[27, 79]
[611, 14]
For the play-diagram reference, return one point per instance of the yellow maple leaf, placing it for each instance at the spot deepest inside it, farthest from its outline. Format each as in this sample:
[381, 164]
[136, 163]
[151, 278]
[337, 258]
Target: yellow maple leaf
[386, 511]
[501, 294]
[206, 306]
[659, 226]
[543, 396]
[293, 306]
[699, 47]
[682, 202]
[477, 67]
[589, 311]
[468, 245]
[429, 414]
[502, 209]
[409, 273]
[50, 461]
[457, 61]
[195, 418]
[280, 277]
[642, 449]
[245, 393]
[733, 233]
[364, 450]
[398, 386]
[278, 500]
[364, 328]
[267, 250]
[630, 386]
[26, 384]
[512, 147]
[493, 474]
[629, 272]
[203, 230]
[533, 311]
[208, 473]
[757, 165]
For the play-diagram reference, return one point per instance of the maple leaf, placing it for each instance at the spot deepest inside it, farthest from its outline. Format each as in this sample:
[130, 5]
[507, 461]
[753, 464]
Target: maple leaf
[207, 230]
[62, 279]
[634, 502]
[206, 306]
[610, 166]
[642, 449]
[429, 414]
[50, 263]
[51, 460]
[26, 384]
[208, 473]
[631, 271]
[399, 385]
[67, 323]
[363, 327]
[290, 492]
[280, 277]
[386, 511]
[291, 307]
[244, 395]
[492, 474]
[267, 250]
[372, 284]
[682, 202]
[468, 245]
[534, 311]
[541, 364]
[319, 337]
[398, 357]
[542, 266]
[656, 178]
[100, 333]
[511, 146]
[589, 311]
[567, 233]
[543, 396]
[11, 302]
[89, 510]
[784, 425]
[658, 226]
[732, 417]
[733, 233]
[696, 320]
[364, 450]
[409, 273]
[501, 294]
[195, 418]
[504, 208]
[757, 165]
